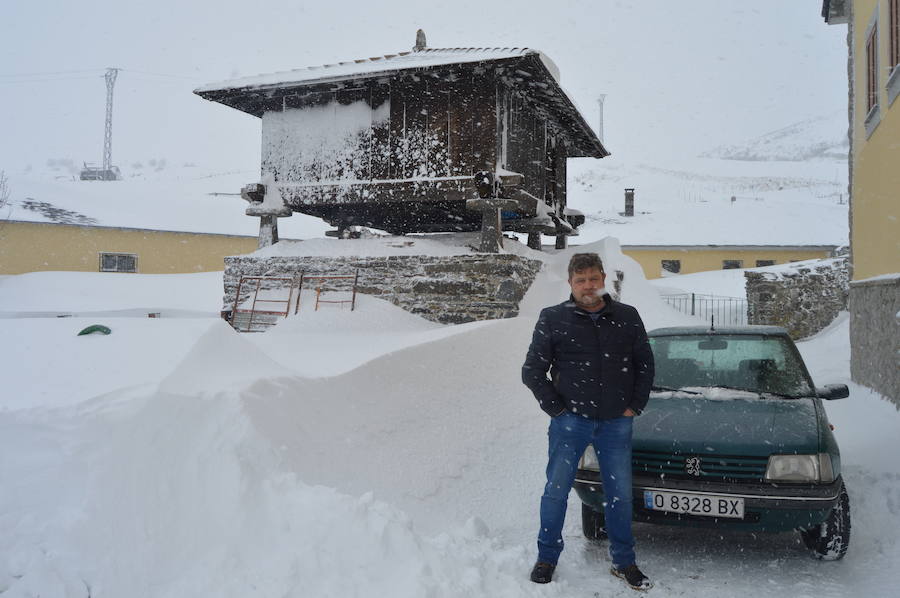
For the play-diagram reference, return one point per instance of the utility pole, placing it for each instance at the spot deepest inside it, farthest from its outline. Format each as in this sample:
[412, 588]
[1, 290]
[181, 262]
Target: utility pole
[110, 77]
[106, 172]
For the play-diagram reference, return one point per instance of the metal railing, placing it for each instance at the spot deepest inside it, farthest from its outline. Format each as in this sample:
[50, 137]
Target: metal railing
[728, 311]
[263, 318]
[252, 310]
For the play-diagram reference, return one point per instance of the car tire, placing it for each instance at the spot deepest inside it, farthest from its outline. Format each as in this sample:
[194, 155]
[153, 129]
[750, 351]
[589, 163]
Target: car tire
[830, 539]
[593, 523]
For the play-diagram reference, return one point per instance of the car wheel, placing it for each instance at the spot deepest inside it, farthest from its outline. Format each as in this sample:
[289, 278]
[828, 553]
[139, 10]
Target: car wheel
[593, 523]
[830, 539]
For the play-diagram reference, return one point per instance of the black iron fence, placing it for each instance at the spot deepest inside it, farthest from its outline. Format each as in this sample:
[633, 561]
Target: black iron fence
[728, 311]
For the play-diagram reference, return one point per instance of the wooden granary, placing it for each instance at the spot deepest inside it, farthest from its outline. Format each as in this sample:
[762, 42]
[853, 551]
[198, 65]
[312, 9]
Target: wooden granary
[406, 142]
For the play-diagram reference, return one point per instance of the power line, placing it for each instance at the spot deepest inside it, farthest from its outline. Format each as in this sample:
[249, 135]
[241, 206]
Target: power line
[51, 73]
[161, 74]
[53, 80]
[42, 77]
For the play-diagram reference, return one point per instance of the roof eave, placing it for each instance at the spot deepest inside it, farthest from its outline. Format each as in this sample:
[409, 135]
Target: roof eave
[595, 147]
[836, 12]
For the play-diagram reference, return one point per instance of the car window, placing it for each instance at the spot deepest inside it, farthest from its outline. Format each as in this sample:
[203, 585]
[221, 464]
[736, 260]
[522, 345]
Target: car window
[756, 363]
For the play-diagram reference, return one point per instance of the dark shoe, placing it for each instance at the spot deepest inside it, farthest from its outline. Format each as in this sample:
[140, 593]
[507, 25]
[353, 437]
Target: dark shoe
[542, 572]
[633, 577]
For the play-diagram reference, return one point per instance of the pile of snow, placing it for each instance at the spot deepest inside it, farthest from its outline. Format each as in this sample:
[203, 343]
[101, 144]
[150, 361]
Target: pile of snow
[715, 283]
[434, 245]
[110, 294]
[364, 453]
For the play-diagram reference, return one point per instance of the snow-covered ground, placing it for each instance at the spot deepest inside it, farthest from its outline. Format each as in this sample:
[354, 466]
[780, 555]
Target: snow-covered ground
[688, 201]
[679, 201]
[365, 453]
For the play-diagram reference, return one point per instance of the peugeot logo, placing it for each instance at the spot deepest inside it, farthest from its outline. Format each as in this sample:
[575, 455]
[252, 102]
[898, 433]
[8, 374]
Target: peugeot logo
[692, 466]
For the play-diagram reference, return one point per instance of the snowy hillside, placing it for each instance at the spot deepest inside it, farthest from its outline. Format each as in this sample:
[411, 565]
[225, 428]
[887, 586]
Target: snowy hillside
[680, 201]
[177, 198]
[365, 453]
[821, 137]
[688, 201]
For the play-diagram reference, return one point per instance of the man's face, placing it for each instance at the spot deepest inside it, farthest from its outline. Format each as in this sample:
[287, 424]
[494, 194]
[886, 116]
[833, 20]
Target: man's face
[586, 285]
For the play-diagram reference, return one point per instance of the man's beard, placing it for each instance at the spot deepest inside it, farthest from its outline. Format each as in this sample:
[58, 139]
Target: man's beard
[591, 299]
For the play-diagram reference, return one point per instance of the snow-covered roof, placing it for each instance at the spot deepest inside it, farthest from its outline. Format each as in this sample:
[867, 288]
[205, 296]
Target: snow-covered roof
[530, 69]
[377, 65]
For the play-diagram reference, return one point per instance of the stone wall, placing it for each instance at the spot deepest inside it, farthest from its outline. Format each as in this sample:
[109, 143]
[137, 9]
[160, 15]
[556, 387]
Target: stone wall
[875, 335]
[445, 289]
[804, 299]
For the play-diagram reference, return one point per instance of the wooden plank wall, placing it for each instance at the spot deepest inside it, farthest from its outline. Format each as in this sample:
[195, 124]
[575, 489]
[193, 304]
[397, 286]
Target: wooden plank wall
[526, 144]
[439, 126]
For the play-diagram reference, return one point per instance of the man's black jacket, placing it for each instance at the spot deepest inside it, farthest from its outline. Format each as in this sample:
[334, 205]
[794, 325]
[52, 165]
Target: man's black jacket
[596, 370]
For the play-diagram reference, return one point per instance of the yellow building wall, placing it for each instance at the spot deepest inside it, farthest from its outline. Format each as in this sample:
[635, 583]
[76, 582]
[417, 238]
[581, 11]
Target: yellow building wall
[701, 259]
[32, 247]
[875, 188]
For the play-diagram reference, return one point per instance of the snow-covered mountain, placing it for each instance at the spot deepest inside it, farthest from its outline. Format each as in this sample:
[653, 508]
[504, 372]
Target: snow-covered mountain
[815, 138]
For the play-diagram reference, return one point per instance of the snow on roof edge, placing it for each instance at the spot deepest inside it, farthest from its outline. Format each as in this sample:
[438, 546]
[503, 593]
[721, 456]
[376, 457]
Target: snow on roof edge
[386, 63]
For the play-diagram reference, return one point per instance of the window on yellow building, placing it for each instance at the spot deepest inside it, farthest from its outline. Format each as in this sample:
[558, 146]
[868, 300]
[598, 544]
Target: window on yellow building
[673, 266]
[732, 264]
[761, 263]
[872, 70]
[118, 262]
[893, 83]
[895, 33]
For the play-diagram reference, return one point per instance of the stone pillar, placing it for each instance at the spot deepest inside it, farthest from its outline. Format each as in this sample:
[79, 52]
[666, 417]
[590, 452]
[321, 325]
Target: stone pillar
[268, 211]
[491, 233]
[534, 241]
[268, 231]
[562, 241]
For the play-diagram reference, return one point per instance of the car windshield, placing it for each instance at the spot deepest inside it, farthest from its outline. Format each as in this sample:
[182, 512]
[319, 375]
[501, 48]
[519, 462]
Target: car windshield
[756, 363]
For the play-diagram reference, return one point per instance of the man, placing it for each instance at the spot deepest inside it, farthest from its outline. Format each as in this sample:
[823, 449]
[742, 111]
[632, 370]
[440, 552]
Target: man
[601, 370]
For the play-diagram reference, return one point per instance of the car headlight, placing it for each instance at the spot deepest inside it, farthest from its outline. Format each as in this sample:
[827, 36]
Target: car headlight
[800, 468]
[589, 459]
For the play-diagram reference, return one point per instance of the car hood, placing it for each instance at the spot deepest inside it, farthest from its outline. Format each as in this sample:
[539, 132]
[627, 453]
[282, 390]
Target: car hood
[736, 425]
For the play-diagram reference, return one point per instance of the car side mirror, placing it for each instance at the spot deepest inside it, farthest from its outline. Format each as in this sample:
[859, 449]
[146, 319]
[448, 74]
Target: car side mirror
[829, 392]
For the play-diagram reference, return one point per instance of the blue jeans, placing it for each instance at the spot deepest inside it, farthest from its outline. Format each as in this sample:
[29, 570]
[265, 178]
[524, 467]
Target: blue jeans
[569, 435]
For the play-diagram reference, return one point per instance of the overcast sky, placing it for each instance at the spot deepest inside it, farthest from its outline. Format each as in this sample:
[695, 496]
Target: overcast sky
[680, 77]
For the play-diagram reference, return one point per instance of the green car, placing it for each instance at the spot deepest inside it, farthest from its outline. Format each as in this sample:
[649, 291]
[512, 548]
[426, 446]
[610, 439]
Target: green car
[734, 437]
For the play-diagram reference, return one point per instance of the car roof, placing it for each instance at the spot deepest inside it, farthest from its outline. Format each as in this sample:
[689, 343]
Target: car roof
[732, 330]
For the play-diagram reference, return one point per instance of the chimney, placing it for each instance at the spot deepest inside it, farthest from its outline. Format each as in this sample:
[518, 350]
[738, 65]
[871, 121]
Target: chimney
[600, 101]
[420, 41]
[629, 202]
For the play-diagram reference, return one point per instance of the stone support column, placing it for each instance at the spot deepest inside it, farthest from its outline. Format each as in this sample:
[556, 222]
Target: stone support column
[268, 211]
[491, 232]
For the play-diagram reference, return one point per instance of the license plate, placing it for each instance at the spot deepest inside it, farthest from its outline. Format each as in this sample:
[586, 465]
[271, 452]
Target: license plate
[707, 505]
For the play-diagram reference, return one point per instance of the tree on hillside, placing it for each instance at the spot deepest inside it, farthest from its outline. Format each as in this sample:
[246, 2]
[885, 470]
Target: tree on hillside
[5, 207]
[4, 189]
